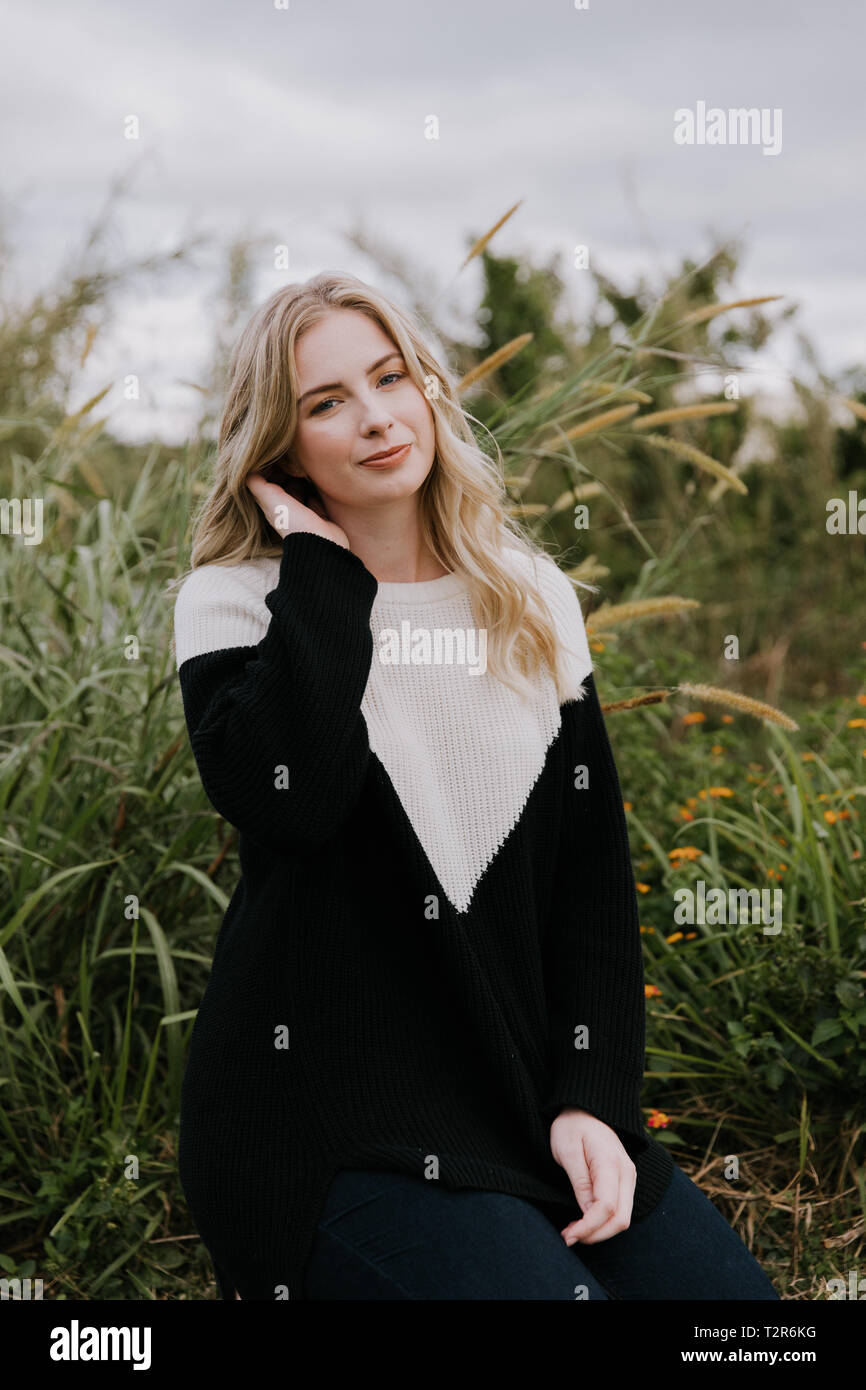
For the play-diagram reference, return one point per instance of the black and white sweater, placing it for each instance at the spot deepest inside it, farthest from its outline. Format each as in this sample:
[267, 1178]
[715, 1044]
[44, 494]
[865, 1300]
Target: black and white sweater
[434, 943]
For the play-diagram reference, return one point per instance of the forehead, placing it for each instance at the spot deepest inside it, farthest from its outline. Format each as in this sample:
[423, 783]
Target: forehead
[342, 336]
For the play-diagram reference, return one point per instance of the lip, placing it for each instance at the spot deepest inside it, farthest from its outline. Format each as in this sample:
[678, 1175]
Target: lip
[393, 456]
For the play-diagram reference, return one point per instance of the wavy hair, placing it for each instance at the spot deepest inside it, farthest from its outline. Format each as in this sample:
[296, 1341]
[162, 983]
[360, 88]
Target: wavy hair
[463, 503]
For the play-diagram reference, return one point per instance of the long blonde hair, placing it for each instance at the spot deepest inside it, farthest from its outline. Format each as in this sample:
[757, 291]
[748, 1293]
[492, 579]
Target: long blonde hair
[463, 503]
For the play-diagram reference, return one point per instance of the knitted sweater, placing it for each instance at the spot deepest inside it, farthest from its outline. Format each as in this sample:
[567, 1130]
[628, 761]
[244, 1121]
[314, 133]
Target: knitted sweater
[433, 946]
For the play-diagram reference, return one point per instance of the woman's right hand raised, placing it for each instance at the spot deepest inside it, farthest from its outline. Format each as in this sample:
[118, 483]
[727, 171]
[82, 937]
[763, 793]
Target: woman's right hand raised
[287, 515]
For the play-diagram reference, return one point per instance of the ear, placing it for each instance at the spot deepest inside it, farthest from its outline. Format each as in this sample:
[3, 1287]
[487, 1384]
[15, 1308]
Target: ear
[288, 469]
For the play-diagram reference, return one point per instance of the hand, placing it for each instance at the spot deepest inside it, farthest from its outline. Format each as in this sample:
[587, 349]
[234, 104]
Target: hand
[600, 1171]
[287, 515]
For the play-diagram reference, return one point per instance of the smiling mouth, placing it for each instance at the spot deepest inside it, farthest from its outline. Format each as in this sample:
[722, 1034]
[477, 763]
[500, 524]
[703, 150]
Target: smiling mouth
[386, 460]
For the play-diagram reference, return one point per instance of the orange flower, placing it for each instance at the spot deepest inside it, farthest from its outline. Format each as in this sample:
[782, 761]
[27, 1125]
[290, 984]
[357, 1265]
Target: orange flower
[861, 699]
[694, 718]
[675, 936]
[717, 748]
[857, 723]
[627, 806]
[651, 991]
[658, 1119]
[647, 929]
[642, 887]
[727, 719]
[808, 757]
[830, 817]
[714, 791]
[690, 935]
[681, 852]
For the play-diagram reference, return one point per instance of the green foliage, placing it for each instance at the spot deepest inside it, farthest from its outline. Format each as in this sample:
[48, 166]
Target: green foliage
[116, 872]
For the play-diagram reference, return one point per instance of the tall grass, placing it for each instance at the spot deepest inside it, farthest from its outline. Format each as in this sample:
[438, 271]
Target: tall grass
[117, 871]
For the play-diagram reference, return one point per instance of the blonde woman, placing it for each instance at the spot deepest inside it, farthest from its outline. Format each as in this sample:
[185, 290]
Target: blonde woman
[416, 1069]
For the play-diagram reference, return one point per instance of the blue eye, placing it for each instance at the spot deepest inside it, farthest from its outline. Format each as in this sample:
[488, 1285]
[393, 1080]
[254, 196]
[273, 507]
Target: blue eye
[317, 409]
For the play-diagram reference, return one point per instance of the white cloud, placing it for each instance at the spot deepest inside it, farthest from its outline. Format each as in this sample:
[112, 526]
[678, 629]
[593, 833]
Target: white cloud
[289, 125]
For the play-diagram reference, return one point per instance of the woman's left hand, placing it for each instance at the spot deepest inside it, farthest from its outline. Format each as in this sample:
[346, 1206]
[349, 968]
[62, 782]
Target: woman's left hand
[600, 1171]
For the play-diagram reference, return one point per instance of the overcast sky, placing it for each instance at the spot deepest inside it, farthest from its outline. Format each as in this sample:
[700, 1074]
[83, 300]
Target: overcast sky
[293, 123]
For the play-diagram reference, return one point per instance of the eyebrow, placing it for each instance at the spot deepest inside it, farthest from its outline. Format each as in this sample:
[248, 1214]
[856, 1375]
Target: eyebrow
[338, 385]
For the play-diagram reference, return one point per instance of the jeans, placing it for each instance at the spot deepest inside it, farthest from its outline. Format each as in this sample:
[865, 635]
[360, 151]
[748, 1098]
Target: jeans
[395, 1236]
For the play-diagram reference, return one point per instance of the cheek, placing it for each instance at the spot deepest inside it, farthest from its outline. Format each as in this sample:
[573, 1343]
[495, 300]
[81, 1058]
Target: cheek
[421, 417]
[319, 444]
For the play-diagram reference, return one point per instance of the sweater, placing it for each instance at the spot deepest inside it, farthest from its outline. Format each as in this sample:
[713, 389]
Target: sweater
[433, 946]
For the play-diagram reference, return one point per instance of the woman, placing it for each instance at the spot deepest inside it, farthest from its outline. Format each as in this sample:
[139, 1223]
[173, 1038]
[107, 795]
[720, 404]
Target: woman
[416, 1069]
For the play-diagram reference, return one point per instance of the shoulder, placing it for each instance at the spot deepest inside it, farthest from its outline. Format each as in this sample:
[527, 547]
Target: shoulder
[558, 592]
[561, 600]
[222, 606]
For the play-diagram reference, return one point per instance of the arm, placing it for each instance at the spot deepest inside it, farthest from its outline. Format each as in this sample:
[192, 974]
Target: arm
[593, 958]
[259, 695]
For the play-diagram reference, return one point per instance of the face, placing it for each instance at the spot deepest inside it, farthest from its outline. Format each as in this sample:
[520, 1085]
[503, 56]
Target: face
[369, 404]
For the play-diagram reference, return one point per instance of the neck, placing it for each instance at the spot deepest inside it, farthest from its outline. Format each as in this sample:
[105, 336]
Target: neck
[388, 541]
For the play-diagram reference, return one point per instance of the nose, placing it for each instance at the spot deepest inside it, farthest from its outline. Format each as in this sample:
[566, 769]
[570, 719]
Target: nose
[375, 416]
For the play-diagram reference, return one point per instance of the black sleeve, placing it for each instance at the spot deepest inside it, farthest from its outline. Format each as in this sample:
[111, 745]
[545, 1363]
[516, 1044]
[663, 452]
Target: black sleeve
[287, 709]
[593, 959]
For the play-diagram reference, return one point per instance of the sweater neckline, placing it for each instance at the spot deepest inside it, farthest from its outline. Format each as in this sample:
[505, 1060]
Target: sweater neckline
[422, 590]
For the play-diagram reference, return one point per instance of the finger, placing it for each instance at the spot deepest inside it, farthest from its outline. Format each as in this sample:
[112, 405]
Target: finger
[577, 1169]
[604, 1205]
[598, 1215]
[616, 1223]
[621, 1218]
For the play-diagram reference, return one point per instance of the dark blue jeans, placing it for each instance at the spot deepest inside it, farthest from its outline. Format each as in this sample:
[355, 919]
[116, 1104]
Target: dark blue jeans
[390, 1236]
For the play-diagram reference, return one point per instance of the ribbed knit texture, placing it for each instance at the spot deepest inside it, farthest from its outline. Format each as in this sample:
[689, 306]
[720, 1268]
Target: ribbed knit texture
[432, 901]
